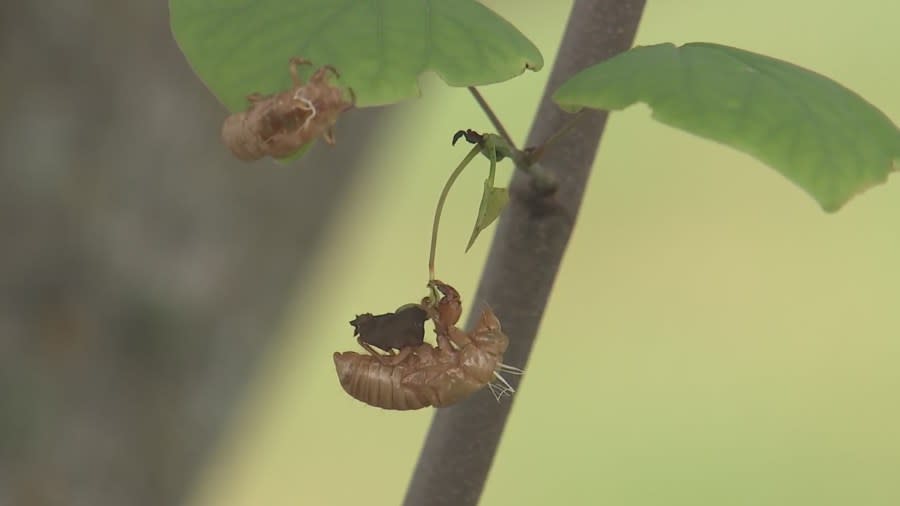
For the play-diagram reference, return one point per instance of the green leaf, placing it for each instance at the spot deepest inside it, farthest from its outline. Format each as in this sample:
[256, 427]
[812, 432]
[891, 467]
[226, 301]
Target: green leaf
[380, 48]
[820, 135]
[493, 200]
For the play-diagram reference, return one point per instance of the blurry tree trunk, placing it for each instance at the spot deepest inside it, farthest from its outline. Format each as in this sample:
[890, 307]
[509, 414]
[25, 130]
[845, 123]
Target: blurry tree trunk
[142, 270]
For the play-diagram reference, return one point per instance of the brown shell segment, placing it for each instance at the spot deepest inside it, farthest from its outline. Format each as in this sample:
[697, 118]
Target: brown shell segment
[367, 379]
[278, 125]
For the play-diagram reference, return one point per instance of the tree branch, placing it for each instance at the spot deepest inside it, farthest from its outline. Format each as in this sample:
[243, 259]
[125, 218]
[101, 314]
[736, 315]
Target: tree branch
[529, 244]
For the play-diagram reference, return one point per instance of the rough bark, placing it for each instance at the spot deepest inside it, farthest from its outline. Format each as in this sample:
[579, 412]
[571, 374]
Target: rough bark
[142, 268]
[524, 258]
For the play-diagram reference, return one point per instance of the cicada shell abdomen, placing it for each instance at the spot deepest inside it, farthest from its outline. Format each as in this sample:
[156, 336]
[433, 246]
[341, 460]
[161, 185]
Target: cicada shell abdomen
[268, 127]
[368, 380]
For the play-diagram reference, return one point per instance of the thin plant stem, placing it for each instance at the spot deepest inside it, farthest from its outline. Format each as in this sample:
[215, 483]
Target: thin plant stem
[492, 117]
[440, 206]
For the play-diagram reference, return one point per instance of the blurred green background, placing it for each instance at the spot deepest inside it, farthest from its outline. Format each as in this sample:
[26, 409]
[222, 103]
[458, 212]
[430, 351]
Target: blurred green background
[713, 336]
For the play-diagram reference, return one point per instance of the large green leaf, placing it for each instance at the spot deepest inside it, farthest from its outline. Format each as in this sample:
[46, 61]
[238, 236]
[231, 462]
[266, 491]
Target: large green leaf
[380, 47]
[820, 135]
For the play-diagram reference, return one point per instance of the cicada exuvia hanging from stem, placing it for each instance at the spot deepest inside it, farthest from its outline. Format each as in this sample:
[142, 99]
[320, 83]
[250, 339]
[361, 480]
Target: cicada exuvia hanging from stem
[421, 374]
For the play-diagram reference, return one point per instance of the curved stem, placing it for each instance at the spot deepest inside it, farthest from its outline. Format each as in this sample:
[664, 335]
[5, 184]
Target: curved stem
[440, 206]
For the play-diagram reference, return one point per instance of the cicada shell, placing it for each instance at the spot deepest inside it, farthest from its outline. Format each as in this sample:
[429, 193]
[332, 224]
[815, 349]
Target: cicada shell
[424, 375]
[280, 124]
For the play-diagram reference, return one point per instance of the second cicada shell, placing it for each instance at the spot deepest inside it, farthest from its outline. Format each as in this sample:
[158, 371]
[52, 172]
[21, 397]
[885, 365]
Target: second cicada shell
[278, 125]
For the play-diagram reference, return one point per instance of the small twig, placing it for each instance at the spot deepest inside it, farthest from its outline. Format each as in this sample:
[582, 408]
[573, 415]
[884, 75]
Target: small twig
[493, 117]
